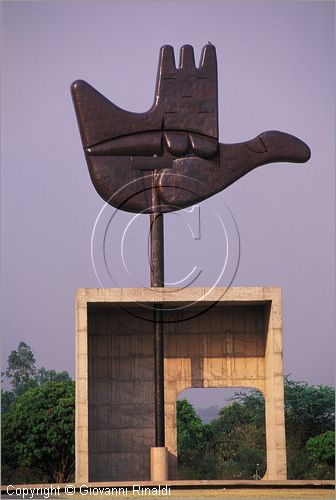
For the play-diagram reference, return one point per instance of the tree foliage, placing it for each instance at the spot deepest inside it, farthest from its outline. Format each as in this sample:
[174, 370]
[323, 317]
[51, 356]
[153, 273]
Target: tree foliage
[309, 411]
[40, 426]
[23, 375]
[321, 448]
[37, 422]
[20, 367]
[232, 445]
[43, 376]
[190, 438]
[238, 438]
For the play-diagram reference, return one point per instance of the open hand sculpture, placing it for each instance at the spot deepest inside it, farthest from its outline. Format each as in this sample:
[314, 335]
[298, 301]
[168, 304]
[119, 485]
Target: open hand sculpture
[172, 148]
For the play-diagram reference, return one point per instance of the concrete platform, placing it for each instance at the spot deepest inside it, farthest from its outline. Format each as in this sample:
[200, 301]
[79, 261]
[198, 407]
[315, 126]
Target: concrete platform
[214, 337]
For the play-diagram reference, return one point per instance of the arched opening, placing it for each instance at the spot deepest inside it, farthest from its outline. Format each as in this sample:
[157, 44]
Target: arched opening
[221, 434]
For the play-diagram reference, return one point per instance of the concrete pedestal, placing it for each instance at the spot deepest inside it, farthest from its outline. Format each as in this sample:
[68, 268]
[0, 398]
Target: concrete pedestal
[236, 343]
[158, 464]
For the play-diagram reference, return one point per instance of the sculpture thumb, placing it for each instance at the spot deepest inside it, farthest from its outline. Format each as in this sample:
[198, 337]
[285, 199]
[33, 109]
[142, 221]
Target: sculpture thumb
[237, 160]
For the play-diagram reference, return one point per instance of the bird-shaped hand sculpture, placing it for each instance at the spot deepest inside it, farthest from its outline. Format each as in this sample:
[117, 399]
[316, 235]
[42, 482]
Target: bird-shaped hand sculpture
[174, 146]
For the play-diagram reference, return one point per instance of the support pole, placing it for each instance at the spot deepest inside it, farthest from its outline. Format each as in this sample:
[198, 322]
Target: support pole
[157, 249]
[157, 280]
[159, 378]
[158, 454]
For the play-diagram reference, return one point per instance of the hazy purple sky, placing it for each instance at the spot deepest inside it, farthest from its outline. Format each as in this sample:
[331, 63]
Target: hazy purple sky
[276, 72]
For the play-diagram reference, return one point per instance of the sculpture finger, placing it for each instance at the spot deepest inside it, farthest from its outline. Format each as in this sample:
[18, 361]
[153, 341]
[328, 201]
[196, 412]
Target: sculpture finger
[186, 97]
[187, 58]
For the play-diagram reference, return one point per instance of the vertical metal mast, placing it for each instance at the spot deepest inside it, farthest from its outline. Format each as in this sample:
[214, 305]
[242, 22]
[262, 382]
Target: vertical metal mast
[157, 280]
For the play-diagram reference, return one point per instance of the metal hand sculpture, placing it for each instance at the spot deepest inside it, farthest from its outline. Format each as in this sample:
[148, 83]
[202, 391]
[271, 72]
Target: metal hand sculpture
[177, 138]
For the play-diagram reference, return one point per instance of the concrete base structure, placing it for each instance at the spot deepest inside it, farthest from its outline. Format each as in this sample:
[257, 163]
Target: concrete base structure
[159, 464]
[235, 343]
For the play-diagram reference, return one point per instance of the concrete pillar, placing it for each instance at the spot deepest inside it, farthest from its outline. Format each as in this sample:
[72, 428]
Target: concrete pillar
[82, 421]
[158, 464]
[274, 396]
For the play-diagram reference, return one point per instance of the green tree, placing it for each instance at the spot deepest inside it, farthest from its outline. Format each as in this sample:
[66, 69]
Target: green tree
[190, 439]
[43, 376]
[238, 438]
[38, 431]
[309, 411]
[20, 367]
[20, 428]
[321, 448]
[234, 442]
[229, 447]
[7, 398]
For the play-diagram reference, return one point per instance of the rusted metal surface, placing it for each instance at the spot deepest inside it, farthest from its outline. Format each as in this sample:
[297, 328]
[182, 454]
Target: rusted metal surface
[156, 237]
[157, 249]
[178, 137]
